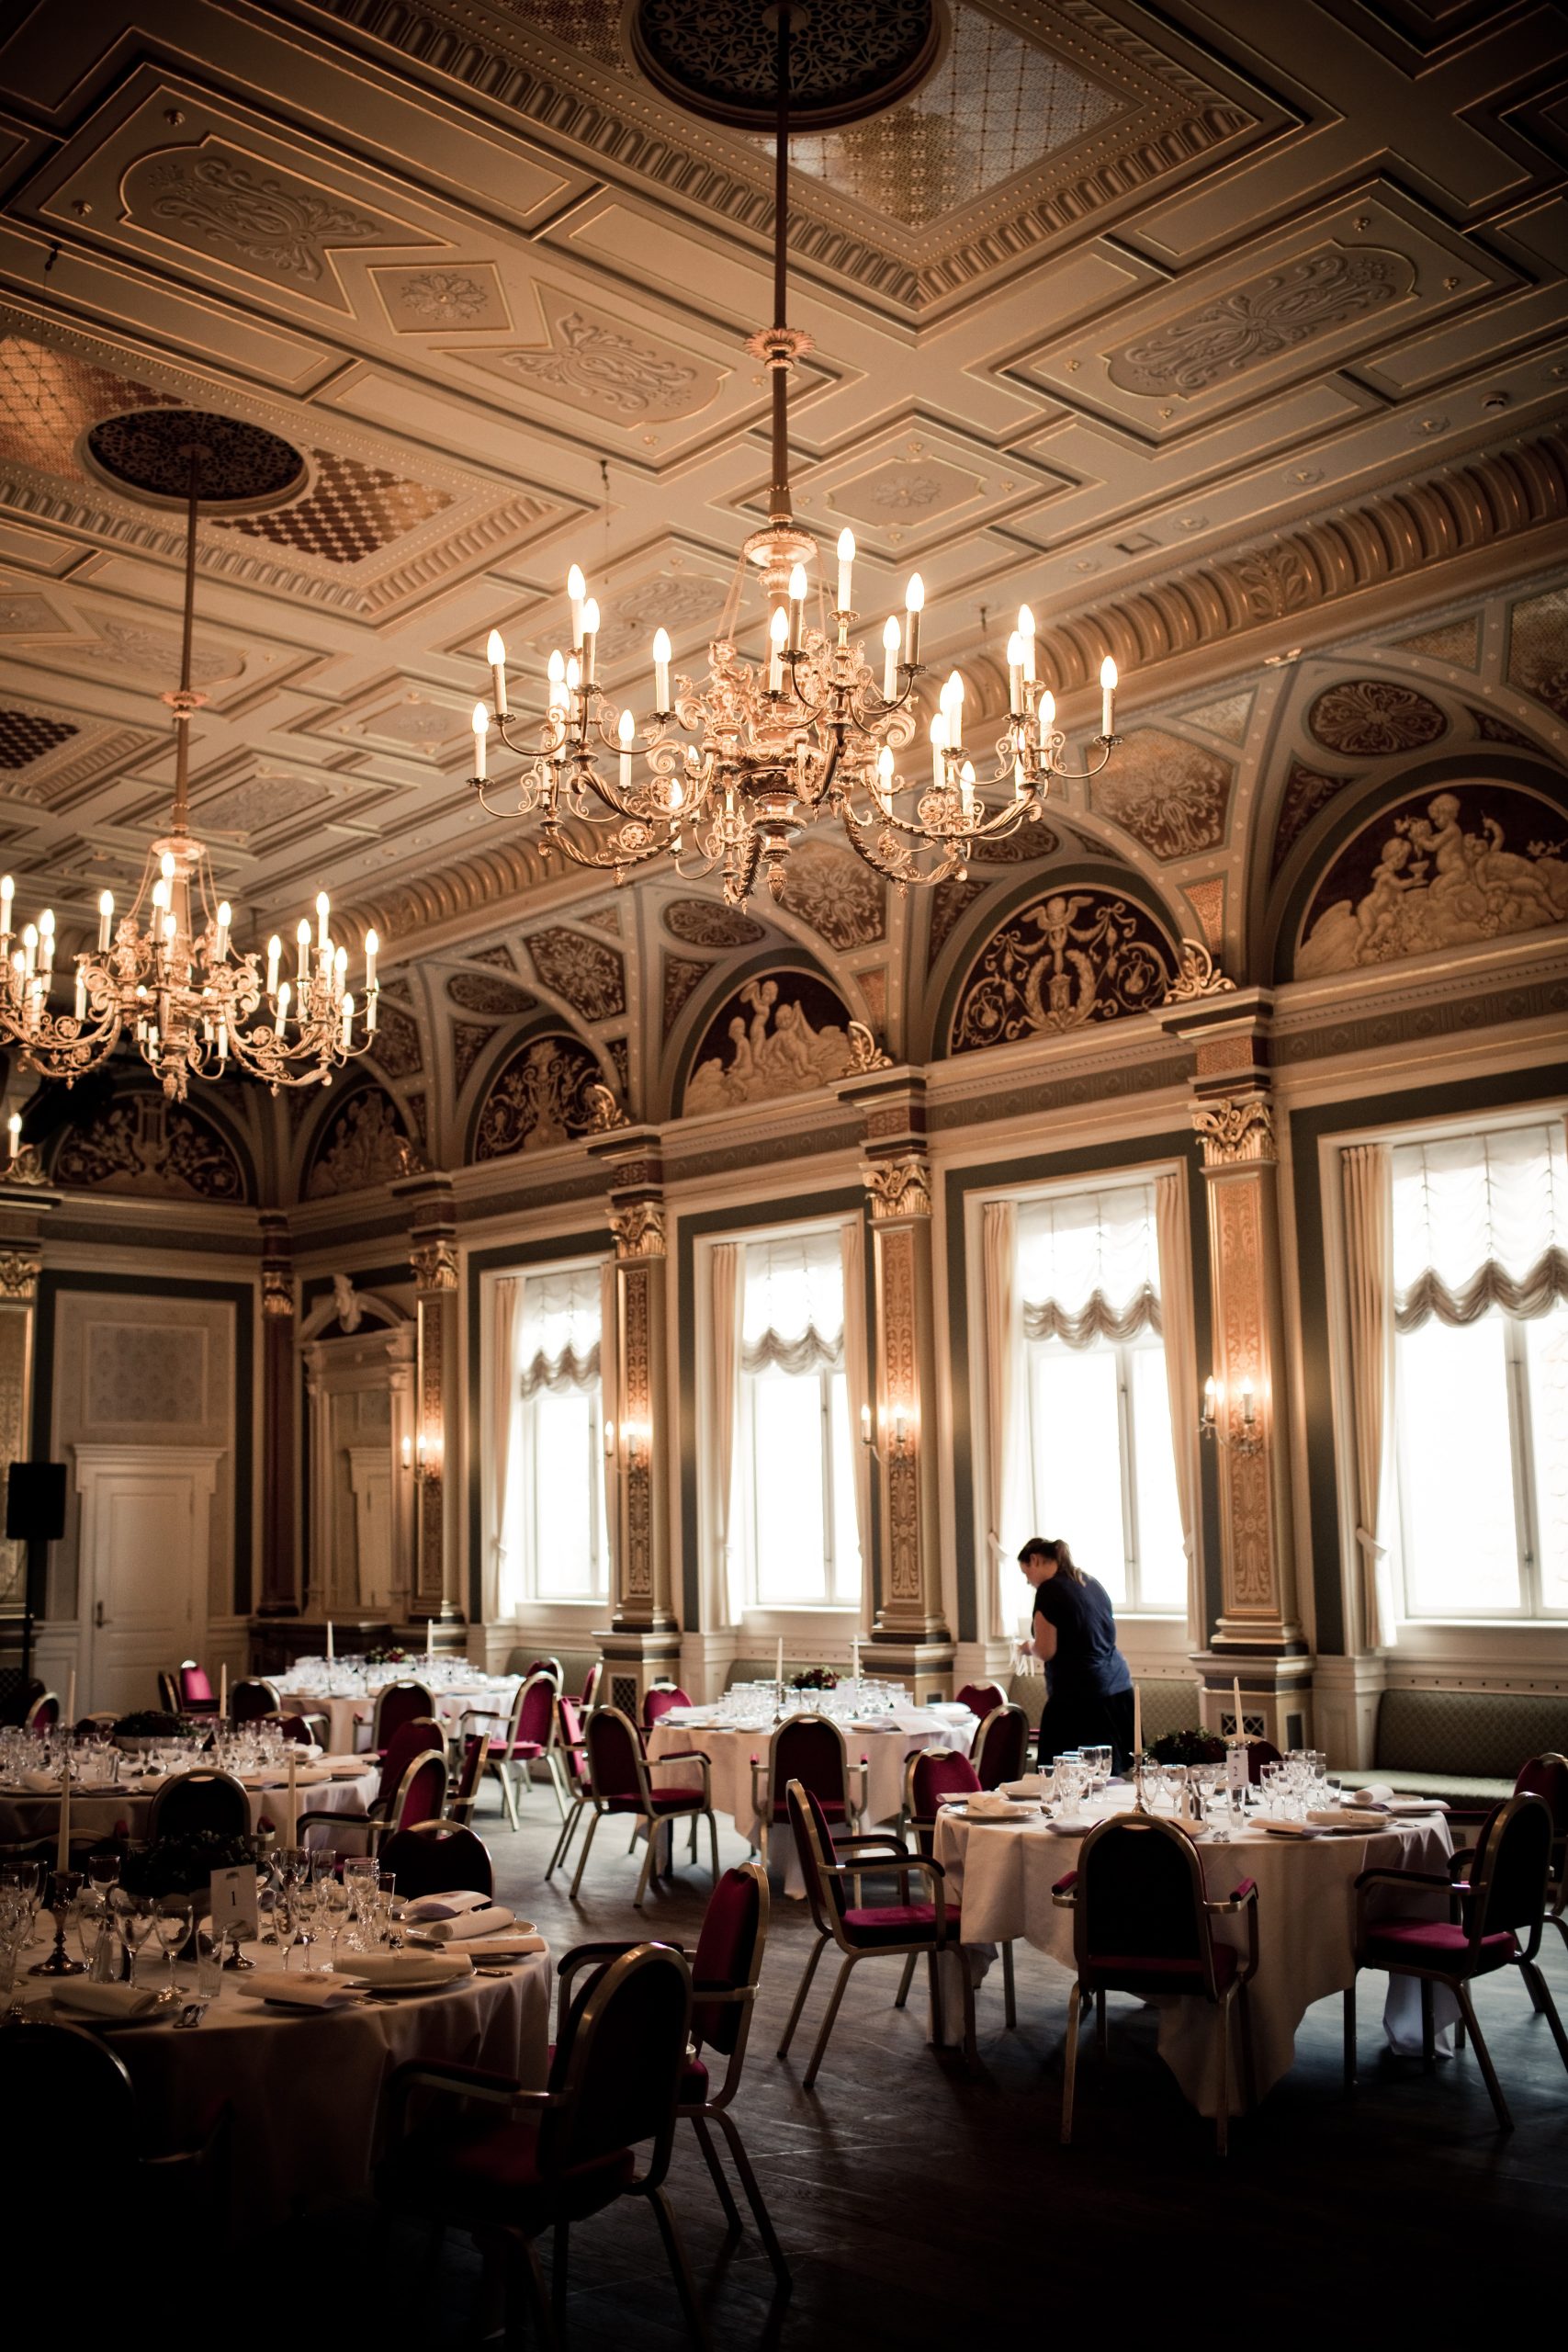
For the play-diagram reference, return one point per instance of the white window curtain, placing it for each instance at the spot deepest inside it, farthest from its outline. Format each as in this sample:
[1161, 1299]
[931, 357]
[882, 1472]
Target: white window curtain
[725, 1302]
[505, 1399]
[609, 1406]
[1004, 1440]
[857, 1376]
[1480, 1221]
[1180, 1334]
[1088, 1266]
[1370, 1256]
[793, 1315]
[559, 1331]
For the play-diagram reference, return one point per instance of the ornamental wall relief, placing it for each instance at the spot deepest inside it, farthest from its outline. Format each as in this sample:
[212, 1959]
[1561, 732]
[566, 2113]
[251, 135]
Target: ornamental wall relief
[542, 1096]
[1459, 868]
[786, 1034]
[590, 976]
[1059, 963]
[1260, 320]
[702, 922]
[140, 1143]
[1168, 793]
[1370, 717]
[1307, 791]
[365, 1142]
[836, 893]
[1538, 648]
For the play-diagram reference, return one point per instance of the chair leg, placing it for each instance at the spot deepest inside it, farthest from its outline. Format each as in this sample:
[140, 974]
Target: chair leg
[905, 1980]
[563, 1843]
[1350, 2035]
[1489, 2071]
[558, 1779]
[523, 2269]
[1010, 1996]
[587, 1849]
[933, 1988]
[1102, 2036]
[1222, 2067]
[508, 1793]
[817, 2055]
[1428, 2027]
[655, 1831]
[966, 1990]
[705, 2142]
[712, 1842]
[754, 2199]
[1544, 2002]
[1070, 2061]
[804, 1988]
[680, 2269]
[1248, 2055]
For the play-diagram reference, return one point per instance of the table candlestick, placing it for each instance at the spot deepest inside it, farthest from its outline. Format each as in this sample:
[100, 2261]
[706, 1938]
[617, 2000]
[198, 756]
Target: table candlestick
[64, 1887]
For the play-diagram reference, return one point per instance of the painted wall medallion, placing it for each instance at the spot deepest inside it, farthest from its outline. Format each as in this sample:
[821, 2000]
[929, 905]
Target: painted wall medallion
[1371, 718]
[1076, 957]
[786, 1034]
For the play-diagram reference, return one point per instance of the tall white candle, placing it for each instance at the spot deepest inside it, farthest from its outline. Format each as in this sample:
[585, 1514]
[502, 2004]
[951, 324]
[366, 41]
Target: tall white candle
[1235, 1701]
[292, 1837]
[1137, 1724]
[854, 1658]
[223, 1689]
[778, 1670]
[71, 1702]
[429, 1637]
[331, 1652]
[63, 1843]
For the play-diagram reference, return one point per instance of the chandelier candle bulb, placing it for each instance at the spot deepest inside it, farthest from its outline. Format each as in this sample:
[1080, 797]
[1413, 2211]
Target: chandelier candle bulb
[914, 606]
[661, 671]
[106, 920]
[953, 708]
[482, 729]
[1015, 674]
[778, 630]
[1048, 717]
[323, 908]
[626, 732]
[284, 993]
[29, 948]
[81, 1006]
[372, 949]
[14, 1129]
[273, 951]
[892, 638]
[555, 674]
[347, 1019]
[1026, 640]
[495, 654]
[225, 917]
[302, 941]
[939, 752]
[885, 774]
[222, 1040]
[589, 639]
[577, 590]
[846, 571]
[966, 788]
[1248, 1404]
[1108, 698]
[797, 606]
[7, 892]
[46, 939]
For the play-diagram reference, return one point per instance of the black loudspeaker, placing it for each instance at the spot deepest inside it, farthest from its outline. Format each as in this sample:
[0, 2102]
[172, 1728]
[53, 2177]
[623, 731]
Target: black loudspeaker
[35, 1502]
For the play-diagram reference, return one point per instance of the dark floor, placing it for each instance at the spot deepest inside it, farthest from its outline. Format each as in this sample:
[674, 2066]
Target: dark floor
[920, 2206]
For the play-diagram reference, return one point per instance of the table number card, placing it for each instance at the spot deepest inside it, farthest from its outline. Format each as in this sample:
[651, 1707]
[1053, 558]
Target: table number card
[235, 1911]
[1235, 1768]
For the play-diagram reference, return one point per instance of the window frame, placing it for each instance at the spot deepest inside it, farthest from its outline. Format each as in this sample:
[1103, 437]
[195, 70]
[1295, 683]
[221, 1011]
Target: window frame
[599, 1551]
[831, 1596]
[524, 1593]
[1134, 1605]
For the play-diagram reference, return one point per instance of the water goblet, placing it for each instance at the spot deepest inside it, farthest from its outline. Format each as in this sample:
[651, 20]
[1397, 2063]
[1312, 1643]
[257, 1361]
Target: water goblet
[334, 1902]
[103, 1874]
[201, 1979]
[285, 1918]
[92, 1914]
[135, 1921]
[171, 1924]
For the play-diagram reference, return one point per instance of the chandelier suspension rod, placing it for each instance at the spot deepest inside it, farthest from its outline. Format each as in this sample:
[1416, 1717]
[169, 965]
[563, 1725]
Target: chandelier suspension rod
[187, 639]
[779, 507]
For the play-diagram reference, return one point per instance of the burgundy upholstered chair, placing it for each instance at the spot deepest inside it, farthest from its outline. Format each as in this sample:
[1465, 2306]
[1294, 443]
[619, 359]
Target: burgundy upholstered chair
[43, 1714]
[49, 2069]
[572, 1752]
[189, 1802]
[981, 1697]
[552, 2159]
[198, 1696]
[412, 1742]
[465, 1796]
[929, 1775]
[591, 1682]
[304, 1729]
[397, 1703]
[1258, 1753]
[1547, 1777]
[810, 1749]
[658, 1700]
[437, 1857]
[726, 1969]
[861, 1931]
[1495, 1915]
[1143, 1924]
[1000, 1749]
[550, 1666]
[252, 1698]
[525, 1739]
[168, 1691]
[620, 1782]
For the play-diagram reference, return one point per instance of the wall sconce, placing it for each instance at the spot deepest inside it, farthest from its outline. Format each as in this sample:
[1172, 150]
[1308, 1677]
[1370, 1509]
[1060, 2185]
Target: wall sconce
[422, 1459]
[637, 1442]
[22, 1164]
[902, 1435]
[1241, 1436]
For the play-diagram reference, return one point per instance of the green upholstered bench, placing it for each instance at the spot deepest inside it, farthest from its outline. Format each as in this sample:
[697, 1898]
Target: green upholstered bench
[574, 1664]
[1169, 1705]
[1464, 1745]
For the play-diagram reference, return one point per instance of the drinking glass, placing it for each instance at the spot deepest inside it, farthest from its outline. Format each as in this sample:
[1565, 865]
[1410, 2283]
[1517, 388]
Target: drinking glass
[12, 1938]
[92, 1914]
[135, 1918]
[306, 1908]
[334, 1905]
[171, 1923]
[285, 1917]
[103, 1872]
[201, 1980]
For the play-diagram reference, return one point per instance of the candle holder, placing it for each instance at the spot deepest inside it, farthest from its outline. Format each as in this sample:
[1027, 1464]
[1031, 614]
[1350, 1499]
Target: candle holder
[64, 1886]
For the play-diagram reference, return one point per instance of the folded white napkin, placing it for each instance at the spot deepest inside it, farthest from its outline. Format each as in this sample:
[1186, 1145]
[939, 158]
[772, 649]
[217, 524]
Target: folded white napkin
[1348, 1817]
[408, 1967]
[1375, 1792]
[489, 1921]
[41, 1784]
[1033, 1784]
[1284, 1828]
[346, 1763]
[989, 1805]
[446, 1907]
[77, 1998]
[514, 1945]
[313, 1991]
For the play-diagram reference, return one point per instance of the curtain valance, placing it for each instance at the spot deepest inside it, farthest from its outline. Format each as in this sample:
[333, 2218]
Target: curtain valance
[1088, 1266]
[794, 1317]
[1480, 1221]
[559, 1331]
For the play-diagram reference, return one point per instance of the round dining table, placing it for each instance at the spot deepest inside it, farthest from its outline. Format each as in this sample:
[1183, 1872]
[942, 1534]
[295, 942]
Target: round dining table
[341, 1786]
[350, 1712]
[1004, 1872]
[303, 2087]
[885, 1743]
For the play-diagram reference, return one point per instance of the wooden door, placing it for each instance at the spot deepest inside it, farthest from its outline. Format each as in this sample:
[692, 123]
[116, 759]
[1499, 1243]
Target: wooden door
[144, 1556]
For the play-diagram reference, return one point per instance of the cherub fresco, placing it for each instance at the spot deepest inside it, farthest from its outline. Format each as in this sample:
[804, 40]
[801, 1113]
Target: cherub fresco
[774, 1046]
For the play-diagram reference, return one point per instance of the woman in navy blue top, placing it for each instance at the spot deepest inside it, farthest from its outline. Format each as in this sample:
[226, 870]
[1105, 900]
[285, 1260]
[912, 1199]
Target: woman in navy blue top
[1089, 1690]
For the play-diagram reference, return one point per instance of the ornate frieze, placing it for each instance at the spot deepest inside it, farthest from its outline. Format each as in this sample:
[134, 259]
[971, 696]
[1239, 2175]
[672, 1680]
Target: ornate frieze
[866, 1054]
[544, 1096]
[1197, 976]
[1076, 956]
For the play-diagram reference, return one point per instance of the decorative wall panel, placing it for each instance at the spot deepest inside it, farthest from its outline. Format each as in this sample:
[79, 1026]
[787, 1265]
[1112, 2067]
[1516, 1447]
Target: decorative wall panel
[787, 1033]
[1076, 957]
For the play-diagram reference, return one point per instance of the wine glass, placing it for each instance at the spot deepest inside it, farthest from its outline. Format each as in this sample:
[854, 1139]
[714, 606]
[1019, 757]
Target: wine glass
[285, 1917]
[334, 1903]
[171, 1922]
[92, 1914]
[135, 1924]
[103, 1872]
[307, 1910]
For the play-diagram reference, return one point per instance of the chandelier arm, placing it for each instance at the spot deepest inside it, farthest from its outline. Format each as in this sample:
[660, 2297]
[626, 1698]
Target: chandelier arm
[622, 861]
[903, 872]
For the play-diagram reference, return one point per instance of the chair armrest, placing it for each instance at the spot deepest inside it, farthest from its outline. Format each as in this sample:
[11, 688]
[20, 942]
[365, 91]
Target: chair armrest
[1240, 1898]
[460, 2082]
[1405, 1878]
[897, 1865]
[481, 1715]
[1063, 1895]
[341, 1821]
[882, 1838]
[682, 1756]
[1462, 1859]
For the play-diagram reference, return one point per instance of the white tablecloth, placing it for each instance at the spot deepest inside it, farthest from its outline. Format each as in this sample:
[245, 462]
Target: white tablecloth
[1305, 1924]
[349, 1715]
[305, 2086]
[26, 1817]
[730, 1754]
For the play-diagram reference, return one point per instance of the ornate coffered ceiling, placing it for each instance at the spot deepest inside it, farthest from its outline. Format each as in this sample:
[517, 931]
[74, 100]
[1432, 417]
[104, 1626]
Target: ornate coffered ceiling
[1234, 355]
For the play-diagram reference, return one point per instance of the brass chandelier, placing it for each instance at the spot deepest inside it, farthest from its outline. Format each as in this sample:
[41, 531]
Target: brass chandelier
[725, 773]
[166, 974]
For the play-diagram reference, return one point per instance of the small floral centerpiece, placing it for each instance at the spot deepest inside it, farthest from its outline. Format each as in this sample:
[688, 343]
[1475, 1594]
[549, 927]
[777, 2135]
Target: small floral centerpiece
[386, 1657]
[814, 1677]
[181, 1865]
[1193, 1746]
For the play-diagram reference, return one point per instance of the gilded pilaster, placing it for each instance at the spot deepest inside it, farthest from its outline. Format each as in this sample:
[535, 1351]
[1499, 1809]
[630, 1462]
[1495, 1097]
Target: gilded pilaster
[24, 1205]
[432, 1254]
[279, 1576]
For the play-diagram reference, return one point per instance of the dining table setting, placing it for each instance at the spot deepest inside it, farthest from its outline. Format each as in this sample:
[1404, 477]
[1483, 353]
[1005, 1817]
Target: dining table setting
[1299, 1839]
[98, 1787]
[346, 1691]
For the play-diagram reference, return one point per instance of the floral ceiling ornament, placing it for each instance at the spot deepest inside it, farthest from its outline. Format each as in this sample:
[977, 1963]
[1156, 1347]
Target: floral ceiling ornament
[1371, 718]
[1197, 975]
[605, 1113]
[1258, 322]
[544, 1096]
[728, 772]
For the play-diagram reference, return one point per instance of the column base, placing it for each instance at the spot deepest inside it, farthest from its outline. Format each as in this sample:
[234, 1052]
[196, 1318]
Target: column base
[1276, 1695]
[1345, 1709]
[635, 1657]
[1275, 1637]
[925, 1664]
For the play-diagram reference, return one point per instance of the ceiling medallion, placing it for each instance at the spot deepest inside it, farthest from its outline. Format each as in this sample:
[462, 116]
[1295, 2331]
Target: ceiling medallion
[847, 58]
[730, 771]
[166, 974]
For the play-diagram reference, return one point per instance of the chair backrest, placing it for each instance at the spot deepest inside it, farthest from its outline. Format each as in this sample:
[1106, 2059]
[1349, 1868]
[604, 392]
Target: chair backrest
[980, 1698]
[810, 1749]
[1547, 1777]
[201, 1800]
[728, 1958]
[814, 1846]
[1140, 1897]
[615, 1767]
[422, 1795]
[251, 1697]
[1001, 1747]
[58, 2071]
[195, 1690]
[1258, 1753]
[303, 1728]
[412, 1740]
[398, 1704]
[168, 1691]
[44, 1713]
[437, 1857]
[932, 1774]
[658, 1700]
[1508, 1876]
[591, 1680]
[619, 2063]
[568, 1739]
[551, 1666]
[463, 1797]
[533, 1709]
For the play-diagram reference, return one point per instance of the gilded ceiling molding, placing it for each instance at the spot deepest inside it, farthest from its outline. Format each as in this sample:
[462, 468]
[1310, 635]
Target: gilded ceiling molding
[481, 884]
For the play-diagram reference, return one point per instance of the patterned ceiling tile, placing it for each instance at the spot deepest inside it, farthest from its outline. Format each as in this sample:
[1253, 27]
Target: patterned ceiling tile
[1374, 718]
[608, 370]
[1241, 328]
[257, 801]
[26, 735]
[24, 616]
[349, 511]
[151, 653]
[1538, 648]
[590, 976]
[418, 725]
[1208, 900]
[435, 300]
[1227, 718]
[907, 491]
[836, 893]
[48, 399]
[1455, 641]
[702, 922]
[1168, 793]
